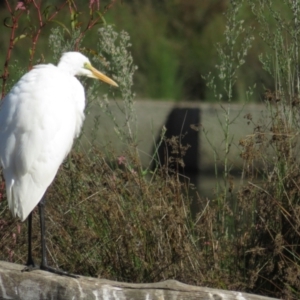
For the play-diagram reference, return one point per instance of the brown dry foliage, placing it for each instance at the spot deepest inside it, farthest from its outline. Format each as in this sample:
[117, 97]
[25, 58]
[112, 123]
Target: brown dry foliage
[272, 235]
[106, 219]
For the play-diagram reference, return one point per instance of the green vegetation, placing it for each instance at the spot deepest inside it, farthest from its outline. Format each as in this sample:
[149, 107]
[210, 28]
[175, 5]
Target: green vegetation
[174, 44]
[110, 216]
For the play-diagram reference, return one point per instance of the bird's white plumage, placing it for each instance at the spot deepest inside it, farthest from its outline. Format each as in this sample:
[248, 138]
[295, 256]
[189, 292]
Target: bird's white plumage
[39, 120]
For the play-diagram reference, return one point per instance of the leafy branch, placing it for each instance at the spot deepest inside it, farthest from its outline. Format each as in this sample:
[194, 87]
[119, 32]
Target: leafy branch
[36, 16]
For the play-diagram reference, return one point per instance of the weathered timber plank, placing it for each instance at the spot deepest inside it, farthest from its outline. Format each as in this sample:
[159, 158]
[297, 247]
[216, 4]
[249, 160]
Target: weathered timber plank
[37, 285]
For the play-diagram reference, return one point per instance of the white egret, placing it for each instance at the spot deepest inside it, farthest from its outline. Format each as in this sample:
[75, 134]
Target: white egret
[39, 119]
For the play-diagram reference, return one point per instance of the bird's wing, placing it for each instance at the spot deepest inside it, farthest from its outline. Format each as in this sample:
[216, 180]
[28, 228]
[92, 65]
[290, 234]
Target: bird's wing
[39, 119]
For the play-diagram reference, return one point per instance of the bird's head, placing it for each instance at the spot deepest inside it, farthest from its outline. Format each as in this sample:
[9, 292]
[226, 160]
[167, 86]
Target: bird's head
[76, 63]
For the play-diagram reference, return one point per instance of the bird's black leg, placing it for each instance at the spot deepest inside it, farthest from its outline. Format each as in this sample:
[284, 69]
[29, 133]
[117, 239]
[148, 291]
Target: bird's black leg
[44, 264]
[30, 265]
[41, 206]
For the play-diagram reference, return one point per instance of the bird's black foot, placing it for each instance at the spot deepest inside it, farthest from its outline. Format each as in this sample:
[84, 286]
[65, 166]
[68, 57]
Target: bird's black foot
[30, 266]
[58, 271]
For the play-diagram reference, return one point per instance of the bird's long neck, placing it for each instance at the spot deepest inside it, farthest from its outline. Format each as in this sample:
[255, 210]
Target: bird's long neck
[66, 67]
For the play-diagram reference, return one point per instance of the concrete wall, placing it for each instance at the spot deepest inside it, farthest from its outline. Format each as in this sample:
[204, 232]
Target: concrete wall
[152, 115]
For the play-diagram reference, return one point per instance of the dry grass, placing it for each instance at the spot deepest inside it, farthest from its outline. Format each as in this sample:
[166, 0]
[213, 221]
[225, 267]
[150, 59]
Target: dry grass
[107, 219]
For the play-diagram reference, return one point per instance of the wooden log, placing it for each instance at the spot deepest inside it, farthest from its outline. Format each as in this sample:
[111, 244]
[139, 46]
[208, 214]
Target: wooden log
[37, 285]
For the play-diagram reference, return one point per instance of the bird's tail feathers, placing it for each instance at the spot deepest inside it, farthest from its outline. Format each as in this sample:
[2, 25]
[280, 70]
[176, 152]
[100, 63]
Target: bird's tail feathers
[23, 197]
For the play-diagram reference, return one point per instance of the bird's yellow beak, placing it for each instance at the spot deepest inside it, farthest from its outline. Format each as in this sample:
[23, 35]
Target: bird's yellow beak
[98, 75]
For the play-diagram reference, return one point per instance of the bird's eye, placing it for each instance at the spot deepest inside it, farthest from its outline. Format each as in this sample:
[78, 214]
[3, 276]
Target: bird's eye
[87, 65]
